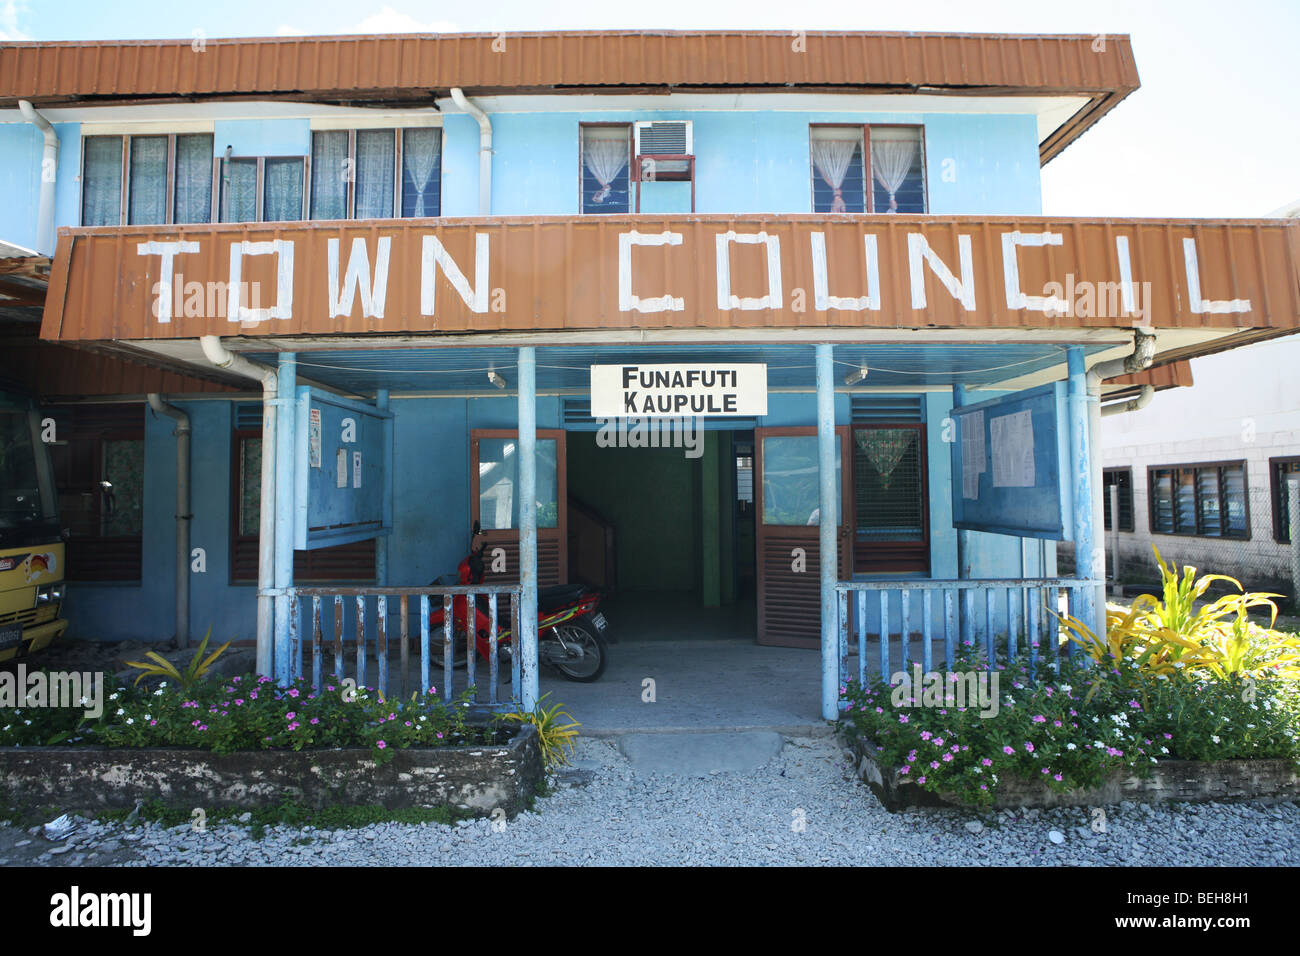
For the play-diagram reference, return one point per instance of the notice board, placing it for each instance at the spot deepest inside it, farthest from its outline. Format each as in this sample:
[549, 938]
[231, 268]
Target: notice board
[1008, 458]
[341, 490]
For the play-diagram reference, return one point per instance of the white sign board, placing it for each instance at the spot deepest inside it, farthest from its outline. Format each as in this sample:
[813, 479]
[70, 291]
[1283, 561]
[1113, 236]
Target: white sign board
[678, 391]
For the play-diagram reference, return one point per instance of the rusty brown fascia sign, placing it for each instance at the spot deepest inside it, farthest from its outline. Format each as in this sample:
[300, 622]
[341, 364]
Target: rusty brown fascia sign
[642, 272]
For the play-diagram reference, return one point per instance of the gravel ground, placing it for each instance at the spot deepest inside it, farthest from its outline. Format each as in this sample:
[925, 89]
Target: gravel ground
[604, 813]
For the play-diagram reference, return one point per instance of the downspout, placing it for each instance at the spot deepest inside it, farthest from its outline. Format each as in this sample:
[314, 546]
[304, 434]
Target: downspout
[223, 358]
[183, 515]
[1139, 360]
[1143, 399]
[49, 174]
[484, 150]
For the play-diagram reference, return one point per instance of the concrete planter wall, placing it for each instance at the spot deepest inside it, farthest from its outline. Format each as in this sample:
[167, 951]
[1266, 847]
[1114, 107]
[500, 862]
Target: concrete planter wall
[1189, 781]
[480, 778]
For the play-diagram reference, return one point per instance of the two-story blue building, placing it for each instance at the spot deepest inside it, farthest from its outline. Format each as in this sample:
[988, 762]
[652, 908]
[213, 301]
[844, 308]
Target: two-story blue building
[314, 306]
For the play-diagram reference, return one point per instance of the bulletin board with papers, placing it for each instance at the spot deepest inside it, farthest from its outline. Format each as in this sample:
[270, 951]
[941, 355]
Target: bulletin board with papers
[1008, 458]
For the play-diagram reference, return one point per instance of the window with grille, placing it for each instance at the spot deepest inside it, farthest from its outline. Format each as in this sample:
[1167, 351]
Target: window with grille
[891, 523]
[1206, 500]
[1280, 470]
[98, 461]
[146, 180]
[1121, 478]
[351, 562]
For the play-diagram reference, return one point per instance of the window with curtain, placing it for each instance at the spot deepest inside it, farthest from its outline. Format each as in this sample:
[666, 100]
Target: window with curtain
[421, 172]
[376, 163]
[331, 171]
[269, 189]
[282, 186]
[838, 173]
[605, 169]
[897, 169]
[1200, 500]
[101, 181]
[239, 190]
[147, 183]
[193, 178]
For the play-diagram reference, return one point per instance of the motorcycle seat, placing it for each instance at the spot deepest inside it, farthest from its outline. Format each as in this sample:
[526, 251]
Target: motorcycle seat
[558, 595]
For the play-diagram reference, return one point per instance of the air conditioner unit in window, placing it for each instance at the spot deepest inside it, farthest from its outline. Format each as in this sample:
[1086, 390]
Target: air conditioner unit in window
[663, 150]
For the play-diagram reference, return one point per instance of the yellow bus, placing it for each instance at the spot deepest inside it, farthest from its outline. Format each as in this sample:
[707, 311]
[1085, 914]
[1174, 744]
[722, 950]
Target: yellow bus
[31, 544]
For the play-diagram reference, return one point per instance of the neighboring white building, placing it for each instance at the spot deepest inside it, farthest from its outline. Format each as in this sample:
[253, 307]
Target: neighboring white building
[1201, 470]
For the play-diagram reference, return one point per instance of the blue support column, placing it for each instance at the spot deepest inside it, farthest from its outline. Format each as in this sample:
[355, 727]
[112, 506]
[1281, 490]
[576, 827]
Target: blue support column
[963, 536]
[828, 526]
[527, 647]
[1085, 551]
[285, 433]
[381, 545]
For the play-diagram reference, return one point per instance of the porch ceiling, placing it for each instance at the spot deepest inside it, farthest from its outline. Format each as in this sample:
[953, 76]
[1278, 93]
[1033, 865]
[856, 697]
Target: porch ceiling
[897, 367]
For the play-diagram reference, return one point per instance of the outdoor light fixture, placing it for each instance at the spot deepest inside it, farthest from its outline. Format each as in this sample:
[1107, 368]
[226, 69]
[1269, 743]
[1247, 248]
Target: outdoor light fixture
[856, 376]
[496, 379]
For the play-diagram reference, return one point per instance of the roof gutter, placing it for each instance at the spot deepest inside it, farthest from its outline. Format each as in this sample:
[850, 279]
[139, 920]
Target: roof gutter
[223, 358]
[49, 175]
[484, 149]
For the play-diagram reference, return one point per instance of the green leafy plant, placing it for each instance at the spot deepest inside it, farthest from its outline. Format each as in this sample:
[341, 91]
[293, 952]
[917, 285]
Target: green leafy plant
[195, 671]
[556, 739]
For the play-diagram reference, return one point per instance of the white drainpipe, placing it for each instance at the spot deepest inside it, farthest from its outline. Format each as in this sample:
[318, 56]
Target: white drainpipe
[183, 516]
[1143, 399]
[484, 150]
[223, 358]
[49, 171]
[1139, 360]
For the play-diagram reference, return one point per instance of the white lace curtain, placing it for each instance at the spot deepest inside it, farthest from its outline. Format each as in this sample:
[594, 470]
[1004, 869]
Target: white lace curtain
[420, 159]
[376, 160]
[605, 159]
[891, 158]
[148, 195]
[282, 199]
[194, 178]
[329, 184]
[831, 158]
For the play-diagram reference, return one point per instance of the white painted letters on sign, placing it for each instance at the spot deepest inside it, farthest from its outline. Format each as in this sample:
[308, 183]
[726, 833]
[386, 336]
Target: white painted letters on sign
[774, 299]
[358, 278]
[433, 255]
[169, 251]
[236, 311]
[627, 302]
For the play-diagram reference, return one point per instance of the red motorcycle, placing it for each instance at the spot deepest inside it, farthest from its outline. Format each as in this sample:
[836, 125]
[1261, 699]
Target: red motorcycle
[570, 631]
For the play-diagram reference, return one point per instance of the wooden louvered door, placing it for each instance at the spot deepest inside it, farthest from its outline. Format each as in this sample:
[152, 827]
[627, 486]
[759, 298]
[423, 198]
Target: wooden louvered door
[493, 503]
[789, 568]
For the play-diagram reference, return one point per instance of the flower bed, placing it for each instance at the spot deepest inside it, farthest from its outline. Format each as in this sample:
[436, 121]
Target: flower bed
[246, 742]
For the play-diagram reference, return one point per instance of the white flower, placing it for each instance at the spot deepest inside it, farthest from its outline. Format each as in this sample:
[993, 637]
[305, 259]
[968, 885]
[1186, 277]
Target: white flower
[146, 717]
[27, 722]
[158, 692]
[130, 720]
[1070, 747]
[1164, 750]
[113, 696]
[422, 717]
[1215, 738]
[120, 712]
[1066, 688]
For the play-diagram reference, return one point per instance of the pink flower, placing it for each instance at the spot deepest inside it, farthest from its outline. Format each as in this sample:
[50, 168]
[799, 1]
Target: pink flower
[947, 758]
[902, 718]
[1056, 777]
[987, 762]
[1007, 750]
[920, 780]
[905, 770]
[153, 723]
[253, 696]
[439, 735]
[293, 692]
[381, 745]
[1029, 747]
[926, 735]
[1038, 719]
[294, 725]
[315, 720]
[934, 765]
[290, 715]
[196, 723]
[239, 702]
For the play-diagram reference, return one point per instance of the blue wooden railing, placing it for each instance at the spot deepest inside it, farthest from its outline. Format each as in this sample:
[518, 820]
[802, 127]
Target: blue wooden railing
[1007, 618]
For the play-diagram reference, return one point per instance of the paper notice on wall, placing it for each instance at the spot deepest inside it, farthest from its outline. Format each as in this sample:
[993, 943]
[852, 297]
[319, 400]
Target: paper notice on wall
[313, 439]
[342, 468]
[972, 454]
[356, 469]
[1012, 438]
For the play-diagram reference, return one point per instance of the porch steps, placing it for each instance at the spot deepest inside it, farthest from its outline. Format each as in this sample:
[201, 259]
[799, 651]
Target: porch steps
[699, 754]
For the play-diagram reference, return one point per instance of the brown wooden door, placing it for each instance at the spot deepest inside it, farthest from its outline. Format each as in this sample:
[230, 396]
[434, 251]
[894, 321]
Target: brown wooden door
[786, 522]
[494, 504]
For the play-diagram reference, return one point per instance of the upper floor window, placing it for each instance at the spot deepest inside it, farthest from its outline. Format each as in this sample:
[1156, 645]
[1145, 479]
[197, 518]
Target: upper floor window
[262, 188]
[129, 180]
[606, 168]
[370, 173]
[868, 169]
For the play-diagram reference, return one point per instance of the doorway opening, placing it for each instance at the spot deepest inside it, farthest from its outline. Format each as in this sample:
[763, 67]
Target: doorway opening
[667, 532]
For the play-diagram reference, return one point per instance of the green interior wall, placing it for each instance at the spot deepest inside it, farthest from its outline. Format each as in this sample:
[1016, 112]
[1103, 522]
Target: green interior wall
[650, 494]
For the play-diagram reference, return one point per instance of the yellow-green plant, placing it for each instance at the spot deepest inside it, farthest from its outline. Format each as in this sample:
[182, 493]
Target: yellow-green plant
[556, 739]
[195, 671]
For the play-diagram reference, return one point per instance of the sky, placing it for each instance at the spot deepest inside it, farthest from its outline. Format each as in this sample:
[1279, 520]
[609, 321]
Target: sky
[1214, 130]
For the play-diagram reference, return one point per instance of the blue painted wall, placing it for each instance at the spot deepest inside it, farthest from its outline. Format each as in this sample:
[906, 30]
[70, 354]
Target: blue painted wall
[267, 137]
[21, 150]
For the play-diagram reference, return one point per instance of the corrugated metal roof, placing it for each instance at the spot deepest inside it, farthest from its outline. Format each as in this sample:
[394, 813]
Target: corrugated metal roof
[564, 273]
[418, 66]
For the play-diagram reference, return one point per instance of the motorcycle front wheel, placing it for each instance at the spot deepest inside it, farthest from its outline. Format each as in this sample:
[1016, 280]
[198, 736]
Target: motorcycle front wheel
[585, 659]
